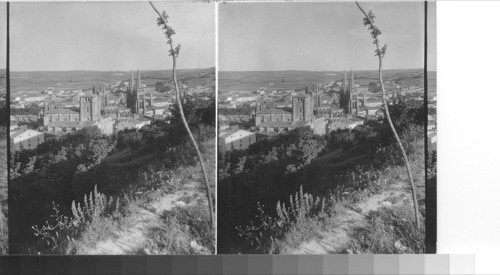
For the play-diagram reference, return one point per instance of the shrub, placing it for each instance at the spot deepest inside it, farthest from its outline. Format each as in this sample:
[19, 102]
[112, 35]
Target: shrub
[185, 230]
[389, 231]
[59, 235]
[270, 229]
[301, 206]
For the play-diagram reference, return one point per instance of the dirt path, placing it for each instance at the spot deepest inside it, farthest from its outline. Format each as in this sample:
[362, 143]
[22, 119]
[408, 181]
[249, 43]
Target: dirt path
[133, 237]
[337, 240]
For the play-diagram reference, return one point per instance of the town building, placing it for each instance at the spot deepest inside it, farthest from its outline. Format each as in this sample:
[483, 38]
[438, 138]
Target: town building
[236, 140]
[343, 123]
[284, 120]
[25, 140]
[123, 123]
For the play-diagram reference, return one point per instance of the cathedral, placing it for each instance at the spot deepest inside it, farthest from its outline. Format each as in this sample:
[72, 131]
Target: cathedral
[283, 119]
[346, 93]
[135, 90]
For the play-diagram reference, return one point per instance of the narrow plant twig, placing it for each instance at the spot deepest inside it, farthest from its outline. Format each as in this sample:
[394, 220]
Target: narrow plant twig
[174, 52]
[380, 52]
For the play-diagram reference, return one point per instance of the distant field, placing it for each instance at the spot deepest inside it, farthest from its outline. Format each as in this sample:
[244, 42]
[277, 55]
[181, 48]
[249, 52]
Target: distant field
[2, 79]
[250, 81]
[22, 81]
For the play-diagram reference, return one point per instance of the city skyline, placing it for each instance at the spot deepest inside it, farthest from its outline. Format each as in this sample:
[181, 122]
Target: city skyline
[116, 36]
[286, 43]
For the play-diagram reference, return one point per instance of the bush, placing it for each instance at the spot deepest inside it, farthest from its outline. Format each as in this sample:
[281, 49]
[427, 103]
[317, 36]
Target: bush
[270, 229]
[390, 231]
[183, 231]
[59, 235]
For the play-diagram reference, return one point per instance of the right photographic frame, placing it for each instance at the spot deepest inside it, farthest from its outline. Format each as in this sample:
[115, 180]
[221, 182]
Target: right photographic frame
[326, 128]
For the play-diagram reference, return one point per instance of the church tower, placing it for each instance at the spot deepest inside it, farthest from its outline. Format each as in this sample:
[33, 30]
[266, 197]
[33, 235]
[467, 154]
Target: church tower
[137, 89]
[343, 95]
[89, 108]
[131, 83]
[349, 94]
[302, 108]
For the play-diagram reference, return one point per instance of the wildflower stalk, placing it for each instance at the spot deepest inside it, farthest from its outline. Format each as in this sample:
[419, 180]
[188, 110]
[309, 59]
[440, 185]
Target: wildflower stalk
[174, 52]
[380, 52]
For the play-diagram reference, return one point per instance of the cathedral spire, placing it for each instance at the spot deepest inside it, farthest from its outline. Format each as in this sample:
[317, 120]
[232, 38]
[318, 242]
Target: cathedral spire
[351, 83]
[344, 82]
[131, 83]
[138, 80]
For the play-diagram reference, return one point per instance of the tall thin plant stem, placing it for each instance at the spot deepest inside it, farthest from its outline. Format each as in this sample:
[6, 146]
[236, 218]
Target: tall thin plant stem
[174, 53]
[375, 31]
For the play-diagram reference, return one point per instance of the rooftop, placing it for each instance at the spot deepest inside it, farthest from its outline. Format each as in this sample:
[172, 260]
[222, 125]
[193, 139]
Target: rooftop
[16, 134]
[279, 124]
[302, 95]
[274, 111]
[69, 124]
[61, 111]
[228, 134]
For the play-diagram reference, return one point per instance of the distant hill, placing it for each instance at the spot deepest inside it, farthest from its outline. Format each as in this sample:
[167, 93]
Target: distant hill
[2, 78]
[231, 81]
[21, 81]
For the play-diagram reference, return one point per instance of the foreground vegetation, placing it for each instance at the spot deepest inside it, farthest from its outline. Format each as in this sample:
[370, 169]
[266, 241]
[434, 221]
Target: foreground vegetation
[305, 187]
[4, 237]
[69, 195]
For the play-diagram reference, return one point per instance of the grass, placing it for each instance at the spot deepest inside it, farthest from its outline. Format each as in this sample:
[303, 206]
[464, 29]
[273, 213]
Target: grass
[389, 231]
[357, 206]
[4, 238]
[184, 230]
[189, 223]
[4, 233]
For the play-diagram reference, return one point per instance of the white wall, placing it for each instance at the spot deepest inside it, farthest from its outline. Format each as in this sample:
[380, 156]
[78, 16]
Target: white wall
[469, 145]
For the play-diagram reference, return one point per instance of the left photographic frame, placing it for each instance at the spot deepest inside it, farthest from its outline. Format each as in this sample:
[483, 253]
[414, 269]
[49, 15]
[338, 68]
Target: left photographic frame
[112, 128]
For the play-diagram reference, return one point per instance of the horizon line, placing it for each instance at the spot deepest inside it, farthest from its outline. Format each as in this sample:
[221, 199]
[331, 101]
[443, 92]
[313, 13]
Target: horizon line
[144, 70]
[298, 70]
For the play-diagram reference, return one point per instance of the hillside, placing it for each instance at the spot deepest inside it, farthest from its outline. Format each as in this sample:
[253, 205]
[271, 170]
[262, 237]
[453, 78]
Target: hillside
[22, 81]
[149, 217]
[343, 193]
[95, 194]
[233, 81]
[3, 192]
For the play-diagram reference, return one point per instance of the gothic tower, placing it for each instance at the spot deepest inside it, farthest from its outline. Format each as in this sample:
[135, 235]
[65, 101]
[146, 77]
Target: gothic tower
[131, 83]
[343, 95]
[137, 89]
[302, 108]
[89, 108]
[357, 104]
[349, 94]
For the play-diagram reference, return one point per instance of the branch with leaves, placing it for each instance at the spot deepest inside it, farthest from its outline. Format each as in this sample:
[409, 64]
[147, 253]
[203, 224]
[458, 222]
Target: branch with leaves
[375, 32]
[162, 21]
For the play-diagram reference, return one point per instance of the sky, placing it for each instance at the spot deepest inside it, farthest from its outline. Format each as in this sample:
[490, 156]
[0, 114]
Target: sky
[320, 36]
[108, 36]
[3, 35]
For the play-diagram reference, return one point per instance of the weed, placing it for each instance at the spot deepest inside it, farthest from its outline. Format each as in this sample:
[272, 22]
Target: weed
[390, 230]
[184, 230]
[60, 234]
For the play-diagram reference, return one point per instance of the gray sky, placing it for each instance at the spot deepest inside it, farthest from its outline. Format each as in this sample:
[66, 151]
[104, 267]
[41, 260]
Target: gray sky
[319, 36]
[3, 34]
[108, 36]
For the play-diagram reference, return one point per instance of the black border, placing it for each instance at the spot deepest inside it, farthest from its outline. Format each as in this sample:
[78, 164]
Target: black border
[430, 188]
[7, 113]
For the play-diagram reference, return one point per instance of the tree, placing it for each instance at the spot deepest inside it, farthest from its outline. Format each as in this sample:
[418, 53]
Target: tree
[368, 20]
[174, 53]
